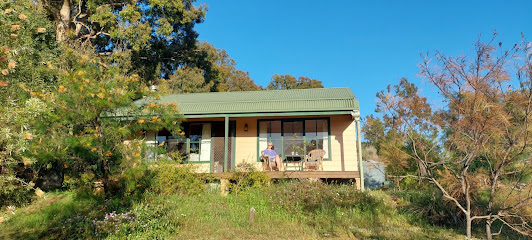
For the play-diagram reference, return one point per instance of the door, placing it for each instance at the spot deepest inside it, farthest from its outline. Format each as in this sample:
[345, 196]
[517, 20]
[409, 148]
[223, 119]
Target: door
[218, 132]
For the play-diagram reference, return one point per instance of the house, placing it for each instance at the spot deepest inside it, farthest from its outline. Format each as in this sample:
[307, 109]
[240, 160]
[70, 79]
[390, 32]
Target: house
[223, 129]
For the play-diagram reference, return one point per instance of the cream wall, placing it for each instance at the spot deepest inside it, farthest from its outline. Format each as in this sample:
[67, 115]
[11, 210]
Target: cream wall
[343, 145]
[246, 142]
[343, 142]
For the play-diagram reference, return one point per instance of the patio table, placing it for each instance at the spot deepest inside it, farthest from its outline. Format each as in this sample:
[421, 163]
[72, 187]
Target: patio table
[294, 162]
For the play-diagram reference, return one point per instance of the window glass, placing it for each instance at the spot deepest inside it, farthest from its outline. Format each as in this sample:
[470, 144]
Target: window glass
[296, 137]
[275, 129]
[195, 132]
[195, 145]
[310, 128]
[293, 138]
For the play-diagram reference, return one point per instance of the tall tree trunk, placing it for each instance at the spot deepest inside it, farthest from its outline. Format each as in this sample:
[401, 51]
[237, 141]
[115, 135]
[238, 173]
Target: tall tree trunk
[63, 22]
[488, 229]
[468, 226]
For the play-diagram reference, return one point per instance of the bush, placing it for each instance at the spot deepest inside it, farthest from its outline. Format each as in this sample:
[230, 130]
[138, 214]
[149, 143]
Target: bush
[137, 181]
[13, 191]
[308, 196]
[247, 177]
[429, 204]
[177, 179]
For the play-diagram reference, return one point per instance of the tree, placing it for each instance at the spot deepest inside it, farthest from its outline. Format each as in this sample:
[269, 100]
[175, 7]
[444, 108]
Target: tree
[287, 81]
[387, 135]
[55, 98]
[212, 70]
[150, 37]
[478, 142]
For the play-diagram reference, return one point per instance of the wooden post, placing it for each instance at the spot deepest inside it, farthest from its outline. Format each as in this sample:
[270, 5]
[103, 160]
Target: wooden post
[224, 186]
[226, 143]
[356, 115]
[252, 216]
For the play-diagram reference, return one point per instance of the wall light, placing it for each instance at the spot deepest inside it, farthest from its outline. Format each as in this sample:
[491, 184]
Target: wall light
[246, 127]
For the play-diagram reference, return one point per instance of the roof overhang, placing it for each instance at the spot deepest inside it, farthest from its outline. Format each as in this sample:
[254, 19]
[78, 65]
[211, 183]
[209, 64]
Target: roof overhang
[269, 114]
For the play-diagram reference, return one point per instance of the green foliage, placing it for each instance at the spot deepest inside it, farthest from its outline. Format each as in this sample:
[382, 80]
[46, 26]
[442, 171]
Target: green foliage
[27, 48]
[247, 177]
[312, 196]
[177, 179]
[136, 181]
[287, 81]
[209, 69]
[430, 205]
[149, 37]
[14, 191]
[210, 215]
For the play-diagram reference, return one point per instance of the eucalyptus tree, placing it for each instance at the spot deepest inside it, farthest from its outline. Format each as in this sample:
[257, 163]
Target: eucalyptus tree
[288, 81]
[152, 38]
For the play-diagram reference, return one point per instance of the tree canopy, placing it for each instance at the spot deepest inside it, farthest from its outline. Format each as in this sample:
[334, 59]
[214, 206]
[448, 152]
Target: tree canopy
[288, 81]
[152, 38]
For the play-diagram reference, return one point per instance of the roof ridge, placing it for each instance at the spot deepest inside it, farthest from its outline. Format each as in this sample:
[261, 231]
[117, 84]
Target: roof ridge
[274, 100]
[265, 90]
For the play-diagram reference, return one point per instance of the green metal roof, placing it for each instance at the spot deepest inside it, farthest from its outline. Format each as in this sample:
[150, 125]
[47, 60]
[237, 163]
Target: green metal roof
[264, 102]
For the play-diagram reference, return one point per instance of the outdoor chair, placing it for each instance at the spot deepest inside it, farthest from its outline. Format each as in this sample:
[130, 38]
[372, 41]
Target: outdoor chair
[314, 160]
[267, 165]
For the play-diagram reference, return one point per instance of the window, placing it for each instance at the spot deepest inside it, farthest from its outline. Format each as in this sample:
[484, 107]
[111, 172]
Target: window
[270, 131]
[295, 137]
[195, 144]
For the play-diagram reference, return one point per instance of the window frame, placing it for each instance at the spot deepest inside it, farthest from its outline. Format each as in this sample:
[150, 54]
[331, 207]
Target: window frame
[187, 127]
[303, 120]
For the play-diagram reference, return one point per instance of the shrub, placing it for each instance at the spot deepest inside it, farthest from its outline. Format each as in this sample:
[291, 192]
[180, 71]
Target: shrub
[311, 196]
[137, 180]
[247, 177]
[429, 204]
[177, 179]
[13, 191]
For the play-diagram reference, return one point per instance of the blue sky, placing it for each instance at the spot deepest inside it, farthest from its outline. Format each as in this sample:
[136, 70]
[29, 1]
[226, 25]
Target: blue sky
[363, 45]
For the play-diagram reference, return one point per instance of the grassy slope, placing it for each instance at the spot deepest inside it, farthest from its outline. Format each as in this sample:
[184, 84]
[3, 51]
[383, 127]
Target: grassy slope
[211, 216]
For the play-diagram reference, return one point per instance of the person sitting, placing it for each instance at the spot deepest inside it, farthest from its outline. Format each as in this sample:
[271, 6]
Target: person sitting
[272, 155]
